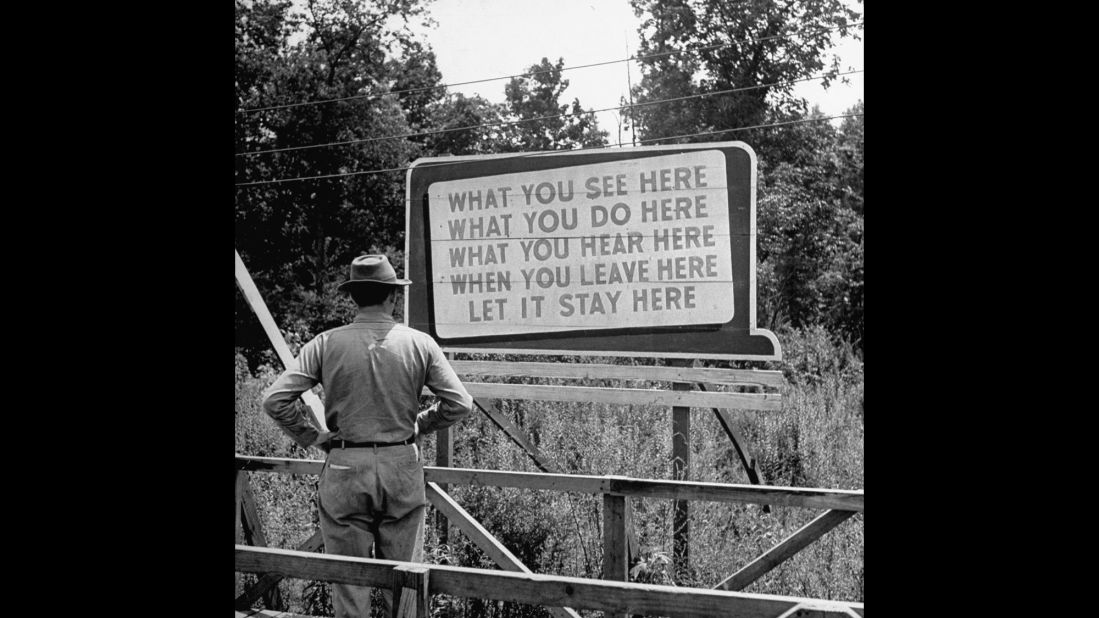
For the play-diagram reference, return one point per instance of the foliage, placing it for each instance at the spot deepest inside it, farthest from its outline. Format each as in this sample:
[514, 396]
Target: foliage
[298, 237]
[534, 102]
[698, 47]
[810, 222]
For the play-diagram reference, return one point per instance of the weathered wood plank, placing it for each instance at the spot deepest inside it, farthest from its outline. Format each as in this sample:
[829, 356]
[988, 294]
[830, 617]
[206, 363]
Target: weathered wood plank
[255, 301]
[253, 534]
[267, 613]
[615, 545]
[270, 579]
[528, 480]
[537, 589]
[496, 550]
[517, 435]
[241, 480]
[444, 458]
[681, 469]
[585, 371]
[253, 527]
[840, 499]
[784, 550]
[416, 578]
[623, 396]
[281, 465]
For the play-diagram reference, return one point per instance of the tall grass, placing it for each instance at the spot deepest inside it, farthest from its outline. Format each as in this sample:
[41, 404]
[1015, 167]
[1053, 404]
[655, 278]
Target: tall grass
[815, 440]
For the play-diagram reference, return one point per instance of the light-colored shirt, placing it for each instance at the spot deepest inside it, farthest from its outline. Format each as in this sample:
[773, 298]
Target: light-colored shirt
[373, 372]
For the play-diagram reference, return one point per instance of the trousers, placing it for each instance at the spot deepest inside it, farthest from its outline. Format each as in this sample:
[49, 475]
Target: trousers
[372, 505]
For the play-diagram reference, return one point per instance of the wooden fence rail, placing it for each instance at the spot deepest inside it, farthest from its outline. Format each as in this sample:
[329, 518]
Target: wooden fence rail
[838, 499]
[531, 588]
[646, 373]
[623, 396]
[841, 505]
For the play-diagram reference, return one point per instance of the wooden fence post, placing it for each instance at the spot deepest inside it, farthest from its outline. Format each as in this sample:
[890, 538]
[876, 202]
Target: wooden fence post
[681, 469]
[416, 578]
[251, 532]
[615, 541]
[444, 458]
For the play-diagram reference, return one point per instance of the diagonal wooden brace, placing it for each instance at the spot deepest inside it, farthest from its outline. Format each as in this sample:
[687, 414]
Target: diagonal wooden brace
[784, 550]
[255, 301]
[517, 435]
[483, 539]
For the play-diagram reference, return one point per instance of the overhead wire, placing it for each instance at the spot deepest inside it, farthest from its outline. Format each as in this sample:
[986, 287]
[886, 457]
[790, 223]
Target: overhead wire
[539, 118]
[533, 73]
[524, 155]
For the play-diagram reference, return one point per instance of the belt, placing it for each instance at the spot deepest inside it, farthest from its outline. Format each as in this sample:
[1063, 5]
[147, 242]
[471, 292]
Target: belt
[346, 444]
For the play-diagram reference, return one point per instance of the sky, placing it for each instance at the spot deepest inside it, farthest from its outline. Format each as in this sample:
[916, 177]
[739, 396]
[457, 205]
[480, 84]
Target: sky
[478, 39]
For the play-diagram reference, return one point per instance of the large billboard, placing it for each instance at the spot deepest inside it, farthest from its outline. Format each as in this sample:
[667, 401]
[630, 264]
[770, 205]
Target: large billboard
[644, 251]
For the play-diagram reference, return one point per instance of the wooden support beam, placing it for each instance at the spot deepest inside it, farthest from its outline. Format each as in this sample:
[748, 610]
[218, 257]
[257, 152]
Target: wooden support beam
[740, 444]
[444, 458]
[518, 436]
[255, 301]
[784, 550]
[417, 579]
[483, 539]
[623, 396]
[537, 589]
[252, 532]
[269, 580]
[241, 479]
[616, 541]
[615, 545]
[807, 497]
[648, 373]
[681, 468]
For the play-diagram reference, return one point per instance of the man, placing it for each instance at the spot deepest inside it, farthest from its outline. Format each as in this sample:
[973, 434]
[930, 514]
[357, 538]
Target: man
[373, 371]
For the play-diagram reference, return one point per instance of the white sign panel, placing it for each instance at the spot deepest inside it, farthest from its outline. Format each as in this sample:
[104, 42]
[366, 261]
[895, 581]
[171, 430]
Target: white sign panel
[624, 244]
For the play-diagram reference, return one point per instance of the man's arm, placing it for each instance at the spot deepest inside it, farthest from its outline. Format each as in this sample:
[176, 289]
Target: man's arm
[281, 400]
[455, 402]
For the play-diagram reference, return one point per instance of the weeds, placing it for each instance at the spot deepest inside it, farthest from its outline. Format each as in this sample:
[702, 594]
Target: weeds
[815, 440]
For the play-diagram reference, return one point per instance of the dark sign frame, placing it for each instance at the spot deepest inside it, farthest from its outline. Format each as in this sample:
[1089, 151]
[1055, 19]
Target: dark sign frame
[737, 339]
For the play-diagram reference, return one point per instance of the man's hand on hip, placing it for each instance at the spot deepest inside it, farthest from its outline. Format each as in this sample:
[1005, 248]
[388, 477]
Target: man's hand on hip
[322, 437]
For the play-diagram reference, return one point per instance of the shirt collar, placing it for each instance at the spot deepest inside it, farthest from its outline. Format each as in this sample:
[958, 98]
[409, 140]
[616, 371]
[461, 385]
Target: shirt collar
[374, 315]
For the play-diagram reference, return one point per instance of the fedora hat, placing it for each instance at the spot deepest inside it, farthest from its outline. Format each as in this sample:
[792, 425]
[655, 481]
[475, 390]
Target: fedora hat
[372, 269]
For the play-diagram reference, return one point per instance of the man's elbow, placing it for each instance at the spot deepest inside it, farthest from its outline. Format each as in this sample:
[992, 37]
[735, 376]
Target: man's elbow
[273, 405]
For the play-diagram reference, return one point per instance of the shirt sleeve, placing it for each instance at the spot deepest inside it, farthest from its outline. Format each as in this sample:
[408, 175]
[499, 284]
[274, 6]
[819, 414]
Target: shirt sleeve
[281, 401]
[455, 402]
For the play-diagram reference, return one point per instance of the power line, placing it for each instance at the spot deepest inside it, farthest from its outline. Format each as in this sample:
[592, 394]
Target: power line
[533, 73]
[549, 117]
[527, 155]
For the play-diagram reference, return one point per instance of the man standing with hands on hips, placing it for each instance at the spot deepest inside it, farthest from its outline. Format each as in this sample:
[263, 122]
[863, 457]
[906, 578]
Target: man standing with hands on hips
[372, 499]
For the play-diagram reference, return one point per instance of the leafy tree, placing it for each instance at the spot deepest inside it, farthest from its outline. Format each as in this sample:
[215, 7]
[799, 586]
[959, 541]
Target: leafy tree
[486, 120]
[810, 252]
[298, 237]
[530, 99]
[519, 124]
[761, 44]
